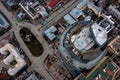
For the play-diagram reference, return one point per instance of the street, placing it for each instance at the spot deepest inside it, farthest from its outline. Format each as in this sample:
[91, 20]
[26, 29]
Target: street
[37, 62]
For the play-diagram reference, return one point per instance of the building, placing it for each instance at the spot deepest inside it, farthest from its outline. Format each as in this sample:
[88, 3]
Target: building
[33, 8]
[69, 19]
[114, 46]
[96, 9]
[21, 15]
[82, 4]
[3, 22]
[101, 30]
[75, 13]
[82, 41]
[78, 49]
[107, 24]
[10, 3]
[55, 3]
[99, 33]
[4, 75]
[50, 33]
[106, 69]
[114, 11]
[32, 77]
[80, 46]
[12, 56]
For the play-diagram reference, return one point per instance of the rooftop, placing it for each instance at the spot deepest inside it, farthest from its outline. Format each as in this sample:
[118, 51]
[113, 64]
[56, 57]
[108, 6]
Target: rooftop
[82, 41]
[114, 45]
[10, 2]
[75, 13]
[69, 19]
[79, 59]
[3, 22]
[33, 8]
[12, 56]
[50, 33]
[100, 35]
[107, 25]
[114, 11]
[104, 70]
[53, 3]
[82, 4]
[32, 77]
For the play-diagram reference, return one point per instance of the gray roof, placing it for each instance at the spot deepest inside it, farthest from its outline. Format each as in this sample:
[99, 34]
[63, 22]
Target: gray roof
[75, 13]
[50, 33]
[95, 8]
[3, 21]
[10, 3]
[115, 12]
[33, 8]
[69, 19]
[82, 4]
[99, 33]
[32, 77]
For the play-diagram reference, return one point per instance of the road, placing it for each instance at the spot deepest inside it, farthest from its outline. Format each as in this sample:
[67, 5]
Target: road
[37, 62]
[76, 63]
[60, 13]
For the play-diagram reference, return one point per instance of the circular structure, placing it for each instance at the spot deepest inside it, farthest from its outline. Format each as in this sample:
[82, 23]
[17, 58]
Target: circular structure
[31, 42]
[78, 49]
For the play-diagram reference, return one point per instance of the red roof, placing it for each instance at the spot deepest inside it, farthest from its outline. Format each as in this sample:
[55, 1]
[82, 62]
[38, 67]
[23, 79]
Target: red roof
[53, 3]
[56, 43]
[4, 76]
[109, 72]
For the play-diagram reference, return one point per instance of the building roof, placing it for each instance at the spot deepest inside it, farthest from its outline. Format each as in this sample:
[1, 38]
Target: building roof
[69, 19]
[33, 8]
[95, 8]
[82, 41]
[105, 69]
[14, 55]
[50, 33]
[10, 2]
[115, 12]
[4, 76]
[32, 77]
[114, 45]
[82, 4]
[3, 42]
[76, 13]
[53, 3]
[99, 34]
[21, 15]
[3, 21]
[108, 26]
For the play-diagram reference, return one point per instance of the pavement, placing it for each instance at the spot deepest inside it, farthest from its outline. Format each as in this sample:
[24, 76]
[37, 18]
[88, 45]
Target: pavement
[60, 13]
[37, 62]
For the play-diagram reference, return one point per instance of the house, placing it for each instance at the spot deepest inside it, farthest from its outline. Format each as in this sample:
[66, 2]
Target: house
[3, 22]
[114, 46]
[69, 19]
[105, 69]
[50, 33]
[33, 8]
[53, 3]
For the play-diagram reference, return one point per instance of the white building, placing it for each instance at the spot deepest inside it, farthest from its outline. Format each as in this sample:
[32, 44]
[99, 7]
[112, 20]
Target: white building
[14, 55]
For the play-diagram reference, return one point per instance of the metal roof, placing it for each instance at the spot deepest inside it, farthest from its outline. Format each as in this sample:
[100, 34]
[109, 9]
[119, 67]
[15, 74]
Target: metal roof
[3, 21]
[69, 19]
[50, 33]
[75, 13]
[99, 34]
